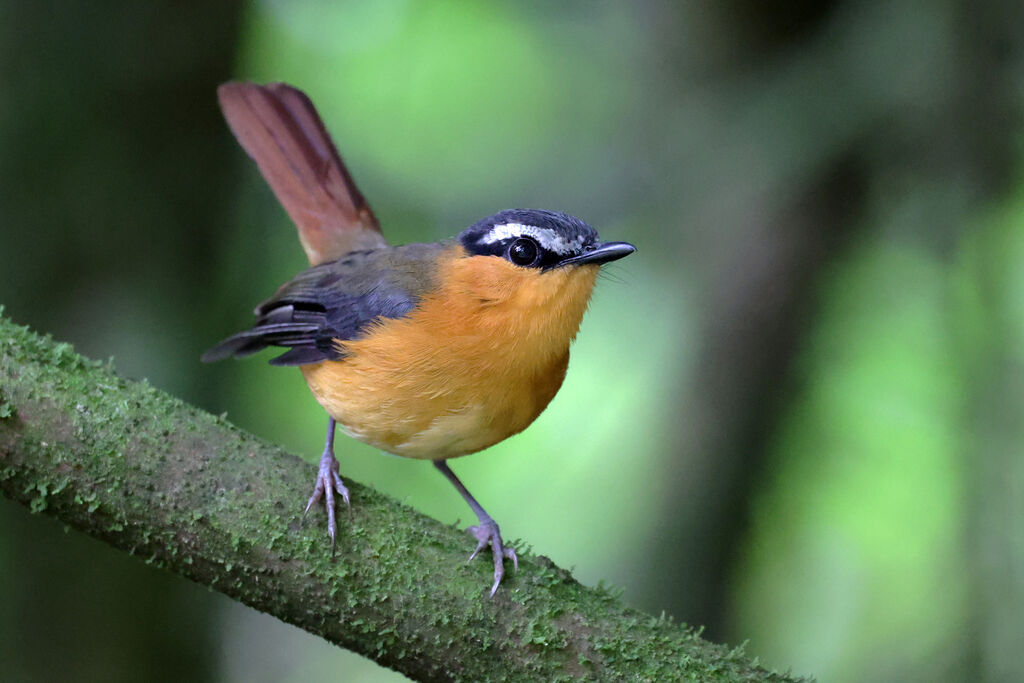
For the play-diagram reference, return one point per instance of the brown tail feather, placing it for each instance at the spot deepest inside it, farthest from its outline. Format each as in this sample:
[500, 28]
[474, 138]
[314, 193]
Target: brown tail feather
[280, 129]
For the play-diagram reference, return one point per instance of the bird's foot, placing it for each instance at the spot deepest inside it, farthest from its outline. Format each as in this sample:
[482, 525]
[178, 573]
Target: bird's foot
[488, 534]
[328, 481]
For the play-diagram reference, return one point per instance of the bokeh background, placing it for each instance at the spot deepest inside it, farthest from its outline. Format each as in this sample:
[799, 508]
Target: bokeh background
[793, 417]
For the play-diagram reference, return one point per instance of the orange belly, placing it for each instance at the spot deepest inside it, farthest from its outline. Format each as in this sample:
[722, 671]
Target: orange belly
[473, 364]
[429, 411]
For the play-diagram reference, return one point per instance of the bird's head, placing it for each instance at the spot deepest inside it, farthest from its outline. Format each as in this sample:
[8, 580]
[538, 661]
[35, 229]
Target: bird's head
[544, 240]
[538, 267]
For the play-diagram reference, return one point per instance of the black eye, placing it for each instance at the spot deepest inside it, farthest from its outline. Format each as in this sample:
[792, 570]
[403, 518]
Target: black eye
[523, 252]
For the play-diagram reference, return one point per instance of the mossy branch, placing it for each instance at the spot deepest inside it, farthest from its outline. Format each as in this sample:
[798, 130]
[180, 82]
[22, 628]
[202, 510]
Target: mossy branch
[187, 491]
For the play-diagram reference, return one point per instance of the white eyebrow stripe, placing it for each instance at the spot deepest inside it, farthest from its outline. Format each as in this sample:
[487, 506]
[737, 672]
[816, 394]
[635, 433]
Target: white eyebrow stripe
[546, 237]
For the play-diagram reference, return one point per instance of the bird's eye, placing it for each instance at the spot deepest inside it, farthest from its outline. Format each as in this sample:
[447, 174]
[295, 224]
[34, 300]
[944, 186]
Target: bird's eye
[523, 252]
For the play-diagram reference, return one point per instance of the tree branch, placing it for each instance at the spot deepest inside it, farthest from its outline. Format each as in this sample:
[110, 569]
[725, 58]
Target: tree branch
[187, 491]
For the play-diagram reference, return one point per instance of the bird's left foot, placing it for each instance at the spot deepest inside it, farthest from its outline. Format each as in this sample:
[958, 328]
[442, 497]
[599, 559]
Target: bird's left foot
[328, 481]
[488, 534]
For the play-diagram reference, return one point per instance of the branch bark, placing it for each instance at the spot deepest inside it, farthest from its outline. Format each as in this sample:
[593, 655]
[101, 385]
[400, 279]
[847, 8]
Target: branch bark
[187, 491]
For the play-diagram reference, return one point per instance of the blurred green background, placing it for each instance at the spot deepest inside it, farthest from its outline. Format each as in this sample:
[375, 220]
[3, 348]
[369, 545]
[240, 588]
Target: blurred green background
[793, 417]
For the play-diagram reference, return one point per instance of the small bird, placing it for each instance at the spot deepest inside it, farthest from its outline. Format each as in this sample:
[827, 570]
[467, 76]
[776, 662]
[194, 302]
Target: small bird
[427, 351]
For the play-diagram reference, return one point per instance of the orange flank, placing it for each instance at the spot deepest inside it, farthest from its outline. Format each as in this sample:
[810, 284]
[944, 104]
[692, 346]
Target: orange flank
[475, 362]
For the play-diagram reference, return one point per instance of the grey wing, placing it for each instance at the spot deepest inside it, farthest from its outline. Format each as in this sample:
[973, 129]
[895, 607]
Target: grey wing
[335, 300]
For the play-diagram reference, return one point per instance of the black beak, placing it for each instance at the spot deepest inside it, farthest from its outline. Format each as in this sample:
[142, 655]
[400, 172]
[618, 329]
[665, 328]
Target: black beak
[605, 252]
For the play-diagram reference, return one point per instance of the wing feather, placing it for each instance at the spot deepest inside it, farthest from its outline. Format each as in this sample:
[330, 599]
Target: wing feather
[335, 301]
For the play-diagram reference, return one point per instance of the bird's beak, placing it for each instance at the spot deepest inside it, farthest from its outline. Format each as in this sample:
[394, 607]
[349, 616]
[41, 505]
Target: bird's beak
[601, 253]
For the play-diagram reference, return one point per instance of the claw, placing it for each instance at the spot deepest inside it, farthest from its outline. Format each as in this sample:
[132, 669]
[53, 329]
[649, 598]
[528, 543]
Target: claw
[485, 534]
[488, 534]
[328, 481]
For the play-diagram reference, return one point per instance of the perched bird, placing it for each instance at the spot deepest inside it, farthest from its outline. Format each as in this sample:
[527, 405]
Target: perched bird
[428, 351]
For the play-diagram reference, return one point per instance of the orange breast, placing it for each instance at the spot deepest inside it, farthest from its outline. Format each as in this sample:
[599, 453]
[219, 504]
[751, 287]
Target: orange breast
[476, 362]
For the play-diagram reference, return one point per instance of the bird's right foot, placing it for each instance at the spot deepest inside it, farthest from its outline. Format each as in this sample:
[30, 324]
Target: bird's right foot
[328, 482]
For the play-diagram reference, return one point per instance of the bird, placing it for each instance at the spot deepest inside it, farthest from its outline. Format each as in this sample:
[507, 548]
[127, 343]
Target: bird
[429, 351]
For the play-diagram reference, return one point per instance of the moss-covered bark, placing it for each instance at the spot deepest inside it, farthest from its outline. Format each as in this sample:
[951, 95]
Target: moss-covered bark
[187, 491]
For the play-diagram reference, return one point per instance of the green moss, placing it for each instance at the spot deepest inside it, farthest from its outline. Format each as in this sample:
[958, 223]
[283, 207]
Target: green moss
[187, 491]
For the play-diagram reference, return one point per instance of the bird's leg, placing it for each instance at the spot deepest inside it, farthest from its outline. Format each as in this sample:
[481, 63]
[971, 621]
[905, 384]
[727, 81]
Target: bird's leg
[328, 481]
[487, 533]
